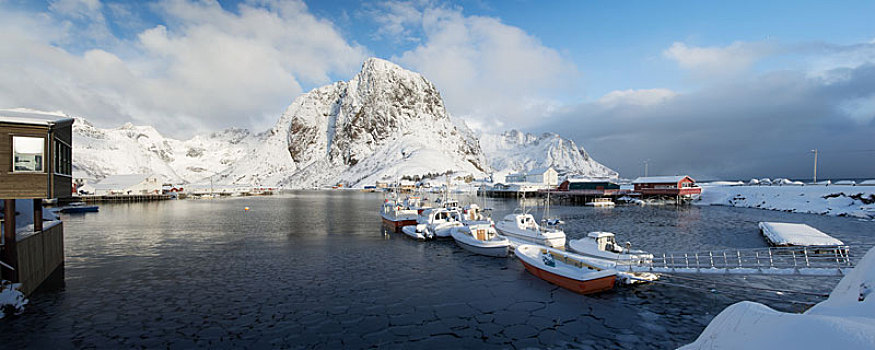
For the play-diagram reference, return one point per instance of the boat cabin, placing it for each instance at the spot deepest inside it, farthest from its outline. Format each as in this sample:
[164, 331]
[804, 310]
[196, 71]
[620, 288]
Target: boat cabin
[605, 241]
[473, 212]
[523, 222]
[440, 215]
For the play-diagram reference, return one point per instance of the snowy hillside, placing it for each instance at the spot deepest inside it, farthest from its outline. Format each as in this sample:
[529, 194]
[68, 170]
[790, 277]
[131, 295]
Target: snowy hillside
[385, 123]
[515, 151]
[131, 149]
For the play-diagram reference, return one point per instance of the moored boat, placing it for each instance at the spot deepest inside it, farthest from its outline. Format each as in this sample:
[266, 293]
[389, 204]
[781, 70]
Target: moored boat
[434, 223]
[601, 203]
[481, 238]
[564, 269]
[399, 213]
[78, 207]
[603, 245]
[523, 229]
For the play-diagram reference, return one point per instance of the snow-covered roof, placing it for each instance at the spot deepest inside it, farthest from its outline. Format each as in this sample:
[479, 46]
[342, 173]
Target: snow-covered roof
[118, 182]
[33, 118]
[659, 179]
[867, 183]
[599, 234]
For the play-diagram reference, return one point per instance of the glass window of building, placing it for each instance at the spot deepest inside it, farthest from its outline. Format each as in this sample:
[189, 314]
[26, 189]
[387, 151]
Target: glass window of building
[28, 154]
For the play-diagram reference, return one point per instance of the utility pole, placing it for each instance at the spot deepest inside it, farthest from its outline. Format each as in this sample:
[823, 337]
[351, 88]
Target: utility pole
[645, 168]
[815, 165]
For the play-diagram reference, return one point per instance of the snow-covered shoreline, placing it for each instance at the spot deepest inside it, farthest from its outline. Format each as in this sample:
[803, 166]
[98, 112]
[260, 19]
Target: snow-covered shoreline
[835, 200]
[846, 320]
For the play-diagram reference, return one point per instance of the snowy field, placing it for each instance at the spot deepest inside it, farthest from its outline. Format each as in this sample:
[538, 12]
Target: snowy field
[836, 200]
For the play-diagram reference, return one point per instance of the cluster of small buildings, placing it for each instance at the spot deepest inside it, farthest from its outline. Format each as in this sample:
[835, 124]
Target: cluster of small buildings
[538, 181]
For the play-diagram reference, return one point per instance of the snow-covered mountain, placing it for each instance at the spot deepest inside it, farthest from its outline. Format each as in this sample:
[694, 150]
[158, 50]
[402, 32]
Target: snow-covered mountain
[514, 151]
[386, 122]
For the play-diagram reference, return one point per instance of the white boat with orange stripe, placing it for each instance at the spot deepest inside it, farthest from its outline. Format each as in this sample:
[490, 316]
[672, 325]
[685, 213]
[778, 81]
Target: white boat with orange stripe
[567, 270]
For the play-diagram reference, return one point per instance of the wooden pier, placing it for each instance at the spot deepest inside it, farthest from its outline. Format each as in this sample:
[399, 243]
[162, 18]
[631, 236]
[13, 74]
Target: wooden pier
[121, 198]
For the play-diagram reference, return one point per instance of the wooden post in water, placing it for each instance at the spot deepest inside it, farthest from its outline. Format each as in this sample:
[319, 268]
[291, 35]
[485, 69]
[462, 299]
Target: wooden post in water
[10, 251]
[37, 215]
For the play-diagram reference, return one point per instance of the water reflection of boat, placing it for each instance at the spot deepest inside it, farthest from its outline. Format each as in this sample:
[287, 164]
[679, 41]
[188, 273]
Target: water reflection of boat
[481, 238]
[602, 245]
[567, 270]
[78, 207]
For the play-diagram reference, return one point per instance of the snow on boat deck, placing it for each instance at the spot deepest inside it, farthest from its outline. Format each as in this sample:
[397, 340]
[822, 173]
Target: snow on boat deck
[789, 234]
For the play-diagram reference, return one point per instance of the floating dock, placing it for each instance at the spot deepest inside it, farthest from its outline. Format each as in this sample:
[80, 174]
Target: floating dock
[784, 234]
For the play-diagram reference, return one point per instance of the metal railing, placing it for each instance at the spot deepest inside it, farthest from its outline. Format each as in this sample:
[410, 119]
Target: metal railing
[808, 260]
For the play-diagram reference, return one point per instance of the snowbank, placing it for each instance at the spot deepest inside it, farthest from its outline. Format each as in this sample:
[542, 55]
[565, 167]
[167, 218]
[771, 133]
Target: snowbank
[856, 201]
[846, 320]
[11, 300]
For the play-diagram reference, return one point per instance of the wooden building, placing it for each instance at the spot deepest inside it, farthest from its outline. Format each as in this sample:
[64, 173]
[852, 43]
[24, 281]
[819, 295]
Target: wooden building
[667, 186]
[588, 185]
[35, 163]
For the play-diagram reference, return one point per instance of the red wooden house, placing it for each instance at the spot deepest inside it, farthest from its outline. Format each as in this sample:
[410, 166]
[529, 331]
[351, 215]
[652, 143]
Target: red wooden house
[675, 186]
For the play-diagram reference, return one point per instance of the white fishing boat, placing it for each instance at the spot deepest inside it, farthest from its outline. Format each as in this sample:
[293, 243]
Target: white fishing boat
[398, 213]
[481, 238]
[603, 245]
[601, 203]
[521, 228]
[565, 269]
[434, 223]
[473, 214]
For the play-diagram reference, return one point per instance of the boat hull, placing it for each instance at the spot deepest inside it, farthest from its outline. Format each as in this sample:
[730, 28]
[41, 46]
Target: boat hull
[588, 250]
[498, 248]
[498, 252]
[578, 286]
[396, 225]
[83, 209]
[411, 232]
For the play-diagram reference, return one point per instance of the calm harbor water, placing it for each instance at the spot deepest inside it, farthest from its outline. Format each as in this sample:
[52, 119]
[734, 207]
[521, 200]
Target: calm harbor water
[315, 269]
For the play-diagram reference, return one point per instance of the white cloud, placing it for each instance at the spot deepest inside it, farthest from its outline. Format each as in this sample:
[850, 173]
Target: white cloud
[641, 97]
[861, 110]
[721, 61]
[490, 73]
[207, 68]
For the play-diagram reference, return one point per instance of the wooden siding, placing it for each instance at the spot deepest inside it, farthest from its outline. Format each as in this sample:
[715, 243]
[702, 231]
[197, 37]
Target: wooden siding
[21, 185]
[32, 185]
[39, 254]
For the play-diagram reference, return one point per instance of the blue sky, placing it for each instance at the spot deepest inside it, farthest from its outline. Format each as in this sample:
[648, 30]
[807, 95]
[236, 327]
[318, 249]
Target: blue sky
[747, 82]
